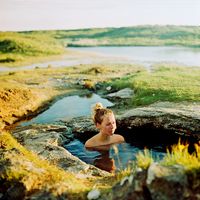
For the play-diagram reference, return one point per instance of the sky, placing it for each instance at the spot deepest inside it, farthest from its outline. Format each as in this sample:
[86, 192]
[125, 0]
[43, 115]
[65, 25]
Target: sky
[25, 15]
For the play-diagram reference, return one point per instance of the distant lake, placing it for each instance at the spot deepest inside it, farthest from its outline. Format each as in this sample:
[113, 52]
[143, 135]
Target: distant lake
[149, 55]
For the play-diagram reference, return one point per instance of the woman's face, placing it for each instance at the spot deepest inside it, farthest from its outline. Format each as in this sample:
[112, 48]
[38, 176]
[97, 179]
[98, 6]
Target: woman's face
[108, 125]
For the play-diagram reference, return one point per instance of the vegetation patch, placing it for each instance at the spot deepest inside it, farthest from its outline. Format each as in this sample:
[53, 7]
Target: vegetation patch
[163, 83]
[144, 159]
[179, 155]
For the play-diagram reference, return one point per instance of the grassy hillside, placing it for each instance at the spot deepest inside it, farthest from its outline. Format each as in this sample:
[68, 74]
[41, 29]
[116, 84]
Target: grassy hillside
[132, 36]
[16, 47]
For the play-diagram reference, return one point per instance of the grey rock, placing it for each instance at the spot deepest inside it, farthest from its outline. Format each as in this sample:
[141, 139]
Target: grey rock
[167, 182]
[181, 118]
[125, 93]
[47, 141]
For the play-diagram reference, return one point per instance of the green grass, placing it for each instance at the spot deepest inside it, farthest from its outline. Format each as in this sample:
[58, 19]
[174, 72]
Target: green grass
[18, 47]
[164, 83]
[32, 45]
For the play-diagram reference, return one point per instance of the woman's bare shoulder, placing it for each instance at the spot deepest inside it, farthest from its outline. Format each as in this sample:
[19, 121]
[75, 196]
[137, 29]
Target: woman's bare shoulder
[91, 142]
[119, 138]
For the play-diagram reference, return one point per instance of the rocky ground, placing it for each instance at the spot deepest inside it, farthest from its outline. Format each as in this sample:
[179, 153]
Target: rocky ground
[46, 141]
[156, 182]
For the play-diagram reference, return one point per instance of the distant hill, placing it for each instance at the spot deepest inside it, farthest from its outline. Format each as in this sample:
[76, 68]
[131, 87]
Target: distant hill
[132, 36]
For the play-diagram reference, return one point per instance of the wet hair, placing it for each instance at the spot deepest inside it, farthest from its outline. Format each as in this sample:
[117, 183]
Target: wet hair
[99, 112]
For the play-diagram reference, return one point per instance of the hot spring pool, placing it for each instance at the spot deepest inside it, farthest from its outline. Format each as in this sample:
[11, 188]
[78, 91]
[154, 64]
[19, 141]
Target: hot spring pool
[113, 158]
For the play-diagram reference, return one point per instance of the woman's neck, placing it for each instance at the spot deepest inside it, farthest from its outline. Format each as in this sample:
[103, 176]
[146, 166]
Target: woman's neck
[104, 137]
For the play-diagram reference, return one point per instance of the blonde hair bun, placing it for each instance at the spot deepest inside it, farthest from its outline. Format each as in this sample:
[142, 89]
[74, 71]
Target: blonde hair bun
[98, 106]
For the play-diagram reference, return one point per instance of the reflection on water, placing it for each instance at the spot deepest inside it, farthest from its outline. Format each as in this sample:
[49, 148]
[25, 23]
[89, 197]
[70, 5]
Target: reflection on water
[69, 107]
[104, 160]
[110, 157]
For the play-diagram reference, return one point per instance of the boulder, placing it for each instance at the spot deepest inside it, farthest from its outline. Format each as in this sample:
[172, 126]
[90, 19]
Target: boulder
[125, 93]
[81, 127]
[167, 182]
[158, 183]
[181, 118]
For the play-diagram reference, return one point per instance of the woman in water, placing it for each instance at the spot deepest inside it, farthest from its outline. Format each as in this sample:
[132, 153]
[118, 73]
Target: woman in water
[104, 120]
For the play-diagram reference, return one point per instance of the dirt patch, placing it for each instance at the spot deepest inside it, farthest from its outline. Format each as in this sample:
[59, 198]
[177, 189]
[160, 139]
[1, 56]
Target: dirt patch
[16, 103]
